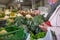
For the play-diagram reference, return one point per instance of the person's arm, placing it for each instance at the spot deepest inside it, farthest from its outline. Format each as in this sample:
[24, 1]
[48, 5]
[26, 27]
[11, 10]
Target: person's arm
[53, 7]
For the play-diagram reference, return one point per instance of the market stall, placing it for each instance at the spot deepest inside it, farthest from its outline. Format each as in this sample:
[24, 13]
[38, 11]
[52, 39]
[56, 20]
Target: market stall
[24, 20]
[19, 23]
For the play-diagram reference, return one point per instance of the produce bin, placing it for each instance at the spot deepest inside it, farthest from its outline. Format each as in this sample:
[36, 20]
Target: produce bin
[47, 37]
[14, 35]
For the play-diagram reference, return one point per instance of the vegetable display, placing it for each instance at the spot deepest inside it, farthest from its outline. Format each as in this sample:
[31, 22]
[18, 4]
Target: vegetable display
[17, 28]
[31, 24]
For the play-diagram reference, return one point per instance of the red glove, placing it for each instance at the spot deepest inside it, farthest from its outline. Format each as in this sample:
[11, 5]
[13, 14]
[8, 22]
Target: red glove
[48, 23]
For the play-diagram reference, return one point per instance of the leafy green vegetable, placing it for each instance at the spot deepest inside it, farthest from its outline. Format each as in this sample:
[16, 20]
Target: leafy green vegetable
[40, 35]
[19, 21]
[20, 34]
[38, 19]
[37, 36]
[11, 28]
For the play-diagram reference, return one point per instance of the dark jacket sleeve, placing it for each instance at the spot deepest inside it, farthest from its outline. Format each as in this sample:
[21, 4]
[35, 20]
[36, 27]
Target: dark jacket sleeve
[53, 7]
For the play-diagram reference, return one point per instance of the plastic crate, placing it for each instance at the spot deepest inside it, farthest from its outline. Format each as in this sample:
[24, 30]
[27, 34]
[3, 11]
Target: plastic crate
[2, 23]
[14, 35]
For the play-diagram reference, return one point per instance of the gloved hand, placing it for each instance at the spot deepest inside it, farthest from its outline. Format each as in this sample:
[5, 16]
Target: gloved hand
[45, 25]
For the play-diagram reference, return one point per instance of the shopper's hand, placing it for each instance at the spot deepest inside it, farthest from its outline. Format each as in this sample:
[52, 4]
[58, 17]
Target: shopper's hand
[43, 26]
